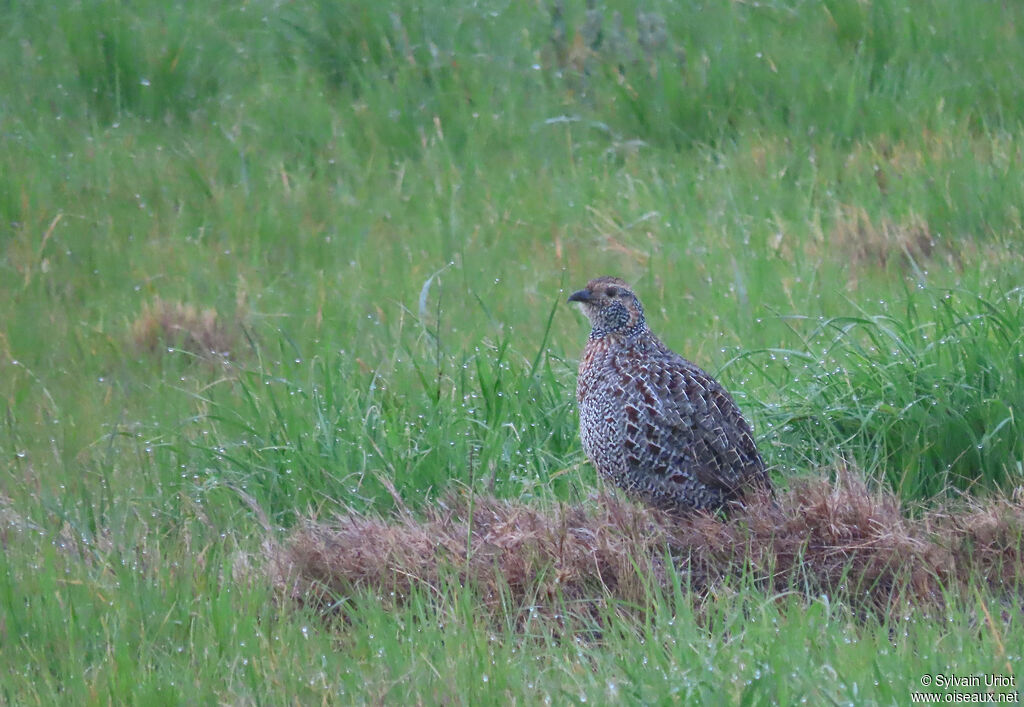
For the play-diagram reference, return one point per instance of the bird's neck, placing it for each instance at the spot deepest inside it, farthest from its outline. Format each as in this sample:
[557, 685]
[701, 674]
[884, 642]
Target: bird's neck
[638, 342]
[601, 348]
[636, 335]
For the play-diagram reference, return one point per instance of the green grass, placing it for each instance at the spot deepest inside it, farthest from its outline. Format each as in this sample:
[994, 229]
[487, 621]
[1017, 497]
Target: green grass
[117, 635]
[386, 205]
[922, 391]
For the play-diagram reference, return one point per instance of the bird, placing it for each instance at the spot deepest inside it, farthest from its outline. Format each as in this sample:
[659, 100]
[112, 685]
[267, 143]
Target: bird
[653, 423]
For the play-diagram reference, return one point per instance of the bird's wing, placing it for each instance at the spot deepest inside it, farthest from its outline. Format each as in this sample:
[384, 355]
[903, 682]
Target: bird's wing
[684, 426]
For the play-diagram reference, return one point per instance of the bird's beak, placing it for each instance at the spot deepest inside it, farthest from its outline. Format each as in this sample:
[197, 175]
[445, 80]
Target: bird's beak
[580, 296]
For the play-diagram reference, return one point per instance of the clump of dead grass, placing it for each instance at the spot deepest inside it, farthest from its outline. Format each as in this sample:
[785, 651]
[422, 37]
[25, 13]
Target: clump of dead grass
[867, 243]
[163, 325]
[836, 538]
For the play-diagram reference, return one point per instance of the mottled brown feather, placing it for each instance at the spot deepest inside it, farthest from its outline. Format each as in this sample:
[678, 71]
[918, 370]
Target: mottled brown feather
[651, 421]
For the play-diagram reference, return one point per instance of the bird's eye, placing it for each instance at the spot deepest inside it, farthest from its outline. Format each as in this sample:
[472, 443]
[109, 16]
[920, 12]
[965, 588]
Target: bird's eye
[612, 292]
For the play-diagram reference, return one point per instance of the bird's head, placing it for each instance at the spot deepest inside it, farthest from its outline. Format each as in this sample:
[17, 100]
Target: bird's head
[611, 307]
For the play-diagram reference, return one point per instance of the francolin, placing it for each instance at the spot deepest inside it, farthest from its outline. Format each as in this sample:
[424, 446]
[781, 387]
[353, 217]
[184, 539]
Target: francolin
[651, 421]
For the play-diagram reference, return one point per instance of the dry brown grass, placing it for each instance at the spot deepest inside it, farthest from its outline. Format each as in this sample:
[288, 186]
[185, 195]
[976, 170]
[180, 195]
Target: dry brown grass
[866, 243]
[177, 325]
[838, 538]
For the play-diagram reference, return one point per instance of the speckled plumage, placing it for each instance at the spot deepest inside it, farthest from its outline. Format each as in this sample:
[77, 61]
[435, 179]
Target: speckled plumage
[652, 422]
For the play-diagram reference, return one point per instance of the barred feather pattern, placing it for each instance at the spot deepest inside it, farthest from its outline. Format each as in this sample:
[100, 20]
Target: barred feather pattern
[652, 422]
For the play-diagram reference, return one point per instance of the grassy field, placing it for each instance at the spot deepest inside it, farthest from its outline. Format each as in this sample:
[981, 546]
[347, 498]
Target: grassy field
[262, 261]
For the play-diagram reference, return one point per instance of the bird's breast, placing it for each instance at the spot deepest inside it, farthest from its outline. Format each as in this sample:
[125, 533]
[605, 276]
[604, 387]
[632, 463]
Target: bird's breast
[599, 393]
